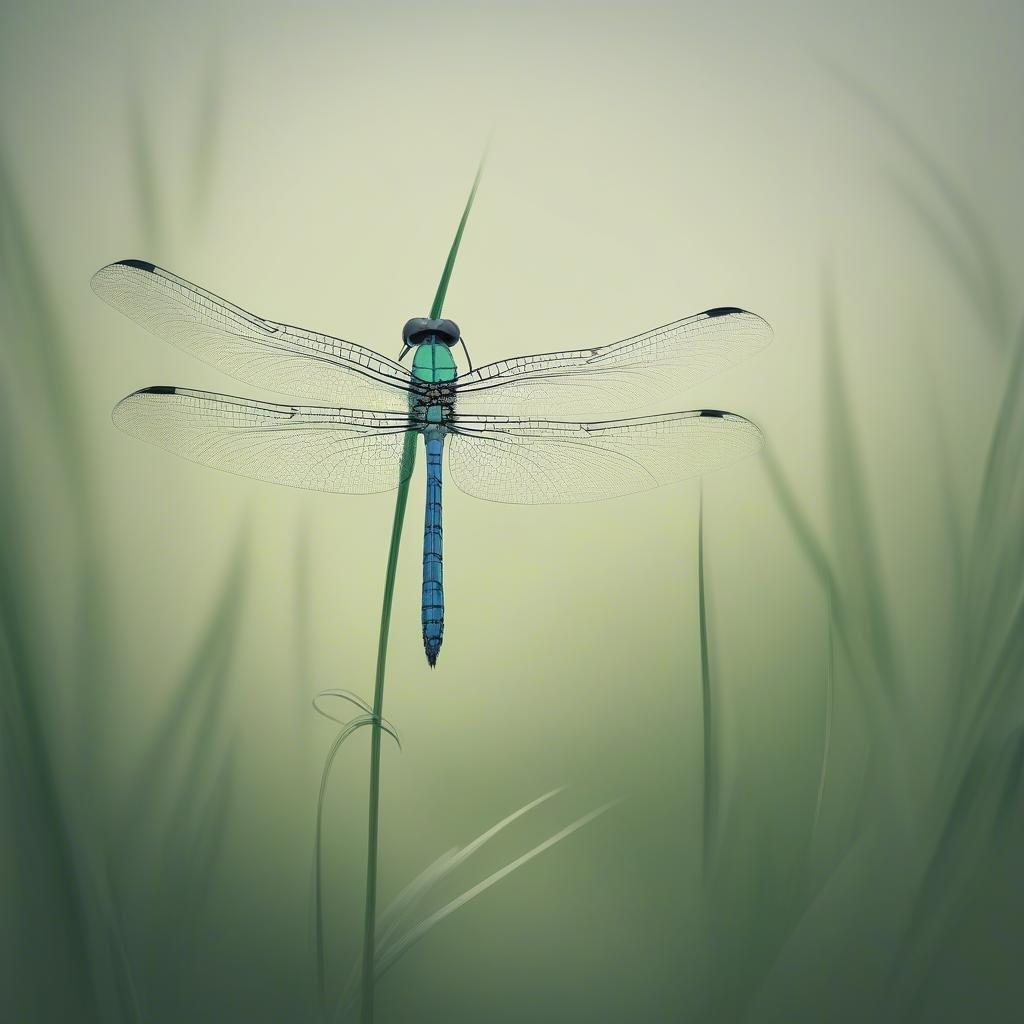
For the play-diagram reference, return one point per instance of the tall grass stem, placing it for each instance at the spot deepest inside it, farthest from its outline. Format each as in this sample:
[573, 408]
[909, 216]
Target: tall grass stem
[408, 462]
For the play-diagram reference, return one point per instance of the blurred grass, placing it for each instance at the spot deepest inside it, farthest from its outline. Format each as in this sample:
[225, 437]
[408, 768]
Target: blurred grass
[934, 812]
[710, 773]
[851, 901]
[113, 879]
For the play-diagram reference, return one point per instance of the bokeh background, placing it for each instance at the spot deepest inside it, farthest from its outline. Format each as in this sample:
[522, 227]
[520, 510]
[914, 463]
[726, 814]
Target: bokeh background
[820, 806]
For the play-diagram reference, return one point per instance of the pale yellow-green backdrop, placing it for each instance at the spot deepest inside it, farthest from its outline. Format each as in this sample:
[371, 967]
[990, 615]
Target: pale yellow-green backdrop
[647, 160]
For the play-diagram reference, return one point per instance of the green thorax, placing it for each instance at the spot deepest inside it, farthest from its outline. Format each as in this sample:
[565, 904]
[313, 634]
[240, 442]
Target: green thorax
[433, 363]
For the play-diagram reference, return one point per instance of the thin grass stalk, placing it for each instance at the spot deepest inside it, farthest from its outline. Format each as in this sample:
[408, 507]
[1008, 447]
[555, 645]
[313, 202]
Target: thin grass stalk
[370, 913]
[318, 862]
[710, 791]
[826, 746]
[408, 462]
[302, 613]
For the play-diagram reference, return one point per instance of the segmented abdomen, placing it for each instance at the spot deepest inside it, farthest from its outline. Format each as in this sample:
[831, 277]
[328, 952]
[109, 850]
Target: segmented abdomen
[433, 586]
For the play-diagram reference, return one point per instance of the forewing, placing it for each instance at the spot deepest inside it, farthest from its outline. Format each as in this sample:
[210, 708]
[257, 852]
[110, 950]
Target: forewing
[288, 360]
[620, 377]
[317, 449]
[541, 462]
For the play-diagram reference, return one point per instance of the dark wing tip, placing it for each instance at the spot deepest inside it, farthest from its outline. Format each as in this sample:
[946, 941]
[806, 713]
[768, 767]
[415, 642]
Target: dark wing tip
[101, 281]
[723, 311]
[121, 410]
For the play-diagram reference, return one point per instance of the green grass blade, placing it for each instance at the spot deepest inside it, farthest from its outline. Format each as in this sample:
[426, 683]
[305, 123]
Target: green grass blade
[442, 288]
[408, 461]
[406, 901]
[412, 895]
[348, 728]
[826, 745]
[370, 914]
[401, 946]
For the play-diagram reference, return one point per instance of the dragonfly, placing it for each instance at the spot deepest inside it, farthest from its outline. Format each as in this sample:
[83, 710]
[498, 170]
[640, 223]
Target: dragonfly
[517, 430]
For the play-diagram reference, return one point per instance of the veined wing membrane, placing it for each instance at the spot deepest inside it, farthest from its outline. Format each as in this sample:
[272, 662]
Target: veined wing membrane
[540, 462]
[285, 359]
[314, 448]
[620, 377]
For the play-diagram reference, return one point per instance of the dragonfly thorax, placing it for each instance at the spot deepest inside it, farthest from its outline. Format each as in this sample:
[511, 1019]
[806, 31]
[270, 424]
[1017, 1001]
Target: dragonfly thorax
[433, 363]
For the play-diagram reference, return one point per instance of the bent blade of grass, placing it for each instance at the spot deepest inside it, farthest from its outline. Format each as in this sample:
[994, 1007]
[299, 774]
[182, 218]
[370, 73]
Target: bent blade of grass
[351, 698]
[399, 947]
[348, 728]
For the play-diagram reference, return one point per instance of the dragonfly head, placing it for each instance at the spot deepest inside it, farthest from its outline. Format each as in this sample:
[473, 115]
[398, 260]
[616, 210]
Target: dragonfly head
[421, 328]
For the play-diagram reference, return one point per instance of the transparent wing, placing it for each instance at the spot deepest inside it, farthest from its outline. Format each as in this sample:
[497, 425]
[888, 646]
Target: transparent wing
[541, 462]
[619, 377]
[346, 451]
[289, 360]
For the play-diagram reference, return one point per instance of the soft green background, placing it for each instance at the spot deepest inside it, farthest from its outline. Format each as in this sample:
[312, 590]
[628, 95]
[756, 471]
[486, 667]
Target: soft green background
[309, 161]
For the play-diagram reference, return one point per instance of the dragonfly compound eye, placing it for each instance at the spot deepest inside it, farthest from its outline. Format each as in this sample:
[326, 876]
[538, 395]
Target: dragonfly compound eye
[420, 329]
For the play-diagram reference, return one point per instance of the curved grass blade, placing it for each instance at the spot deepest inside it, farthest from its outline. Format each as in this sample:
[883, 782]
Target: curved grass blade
[412, 895]
[318, 856]
[408, 899]
[399, 947]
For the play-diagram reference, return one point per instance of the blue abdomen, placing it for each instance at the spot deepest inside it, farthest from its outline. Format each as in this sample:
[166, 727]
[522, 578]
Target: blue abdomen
[433, 585]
